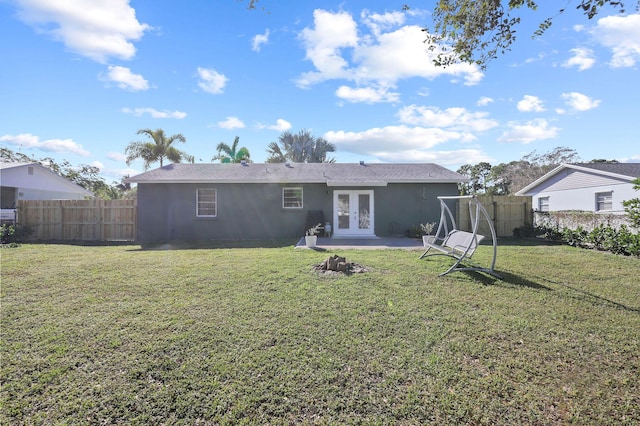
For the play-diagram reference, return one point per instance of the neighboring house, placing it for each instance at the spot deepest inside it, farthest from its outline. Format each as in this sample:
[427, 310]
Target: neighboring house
[595, 187]
[32, 181]
[252, 201]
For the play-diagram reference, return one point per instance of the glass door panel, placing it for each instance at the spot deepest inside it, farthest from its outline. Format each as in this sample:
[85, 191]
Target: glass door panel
[364, 211]
[344, 218]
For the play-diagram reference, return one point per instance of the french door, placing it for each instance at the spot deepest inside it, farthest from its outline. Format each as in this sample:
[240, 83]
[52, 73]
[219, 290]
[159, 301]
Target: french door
[353, 213]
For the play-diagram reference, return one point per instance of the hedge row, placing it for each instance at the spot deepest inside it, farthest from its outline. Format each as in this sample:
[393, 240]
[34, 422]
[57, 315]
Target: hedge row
[619, 240]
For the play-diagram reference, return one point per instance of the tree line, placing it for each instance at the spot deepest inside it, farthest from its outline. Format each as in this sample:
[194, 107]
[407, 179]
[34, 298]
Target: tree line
[509, 178]
[301, 147]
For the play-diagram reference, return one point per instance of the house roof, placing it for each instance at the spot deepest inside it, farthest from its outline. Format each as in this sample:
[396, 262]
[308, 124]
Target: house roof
[624, 171]
[332, 174]
[11, 178]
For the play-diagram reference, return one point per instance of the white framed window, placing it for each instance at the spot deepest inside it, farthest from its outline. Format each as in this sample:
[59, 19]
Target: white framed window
[292, 198]
[604, 201]
[206, 202]
[543, 204]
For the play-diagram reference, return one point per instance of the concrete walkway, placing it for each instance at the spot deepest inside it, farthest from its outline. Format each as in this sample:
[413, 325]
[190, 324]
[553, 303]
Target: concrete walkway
[383, 243]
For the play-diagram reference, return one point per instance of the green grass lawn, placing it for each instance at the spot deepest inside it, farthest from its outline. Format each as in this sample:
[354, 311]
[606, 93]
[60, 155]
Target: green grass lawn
[118, 335]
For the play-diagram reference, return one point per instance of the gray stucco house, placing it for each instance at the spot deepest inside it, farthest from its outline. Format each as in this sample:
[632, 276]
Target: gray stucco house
[253, 201]
[594, 187]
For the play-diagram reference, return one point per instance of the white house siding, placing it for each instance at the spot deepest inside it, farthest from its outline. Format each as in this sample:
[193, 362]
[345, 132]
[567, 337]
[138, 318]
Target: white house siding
[577, 198]
[35, 182]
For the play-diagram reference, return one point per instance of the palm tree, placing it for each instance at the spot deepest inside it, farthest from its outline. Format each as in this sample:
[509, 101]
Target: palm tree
[301, 147]
[231, 153]
[158, 150]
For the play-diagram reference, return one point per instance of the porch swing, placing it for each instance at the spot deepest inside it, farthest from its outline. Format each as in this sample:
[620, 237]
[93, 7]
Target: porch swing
[460, 245]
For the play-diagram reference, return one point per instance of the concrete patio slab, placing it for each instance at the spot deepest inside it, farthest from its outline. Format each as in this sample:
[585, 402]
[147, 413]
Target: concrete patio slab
[364, 243]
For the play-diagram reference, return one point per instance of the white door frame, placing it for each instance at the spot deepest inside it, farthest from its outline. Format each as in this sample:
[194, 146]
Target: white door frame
[356, 223]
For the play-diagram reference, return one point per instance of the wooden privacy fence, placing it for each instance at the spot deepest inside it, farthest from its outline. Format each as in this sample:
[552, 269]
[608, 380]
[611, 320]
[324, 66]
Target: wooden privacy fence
[79, 220]
[506, 211]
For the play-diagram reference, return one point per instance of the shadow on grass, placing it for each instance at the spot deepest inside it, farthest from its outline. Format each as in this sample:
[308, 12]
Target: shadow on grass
[579, 293]
[595, 298]
[506, 277]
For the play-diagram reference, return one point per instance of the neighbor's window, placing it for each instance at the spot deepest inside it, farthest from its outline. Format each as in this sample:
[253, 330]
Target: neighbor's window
[604, 201]
[543, 204]
[292, 198]
[206, 202]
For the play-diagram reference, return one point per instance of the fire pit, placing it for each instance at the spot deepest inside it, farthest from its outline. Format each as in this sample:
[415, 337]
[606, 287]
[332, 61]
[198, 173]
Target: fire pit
[339, 264]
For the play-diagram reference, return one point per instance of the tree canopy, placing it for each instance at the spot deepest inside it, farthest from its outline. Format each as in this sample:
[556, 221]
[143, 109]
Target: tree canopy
[509, 178]
[477, 31]
[231, 154]
[157, 150]
[301, 147]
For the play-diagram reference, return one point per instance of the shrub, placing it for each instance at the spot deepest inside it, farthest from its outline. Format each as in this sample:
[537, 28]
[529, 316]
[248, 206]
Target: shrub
[7, 233]
[574, 237]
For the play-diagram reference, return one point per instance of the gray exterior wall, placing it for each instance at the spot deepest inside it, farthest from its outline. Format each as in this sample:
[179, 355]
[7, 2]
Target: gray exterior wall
[167, 212]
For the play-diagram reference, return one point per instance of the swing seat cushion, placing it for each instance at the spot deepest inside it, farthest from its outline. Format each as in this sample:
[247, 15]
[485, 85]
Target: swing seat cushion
[455, 244]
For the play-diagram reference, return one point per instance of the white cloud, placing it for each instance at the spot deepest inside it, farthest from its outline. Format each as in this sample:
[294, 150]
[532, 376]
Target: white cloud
[211, 81]
[454, 118]
[390, 139]
[484, 101]
[622, 35]
[331, 33]
[27, 140]
[529, 132]
[379, 22]
[446, 158]
[579, 102]
[125, 79]
[582, 58]
[404, 143]
[340, 50]
[367, 94]
[154, 113]
[231, 123]
[530, 104]
[281, 125]
[258, 40]
[117, 156]
[401, 54]
[95, 29]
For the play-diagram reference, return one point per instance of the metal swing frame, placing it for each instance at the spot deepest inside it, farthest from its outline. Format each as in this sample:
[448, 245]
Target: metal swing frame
[458, 244]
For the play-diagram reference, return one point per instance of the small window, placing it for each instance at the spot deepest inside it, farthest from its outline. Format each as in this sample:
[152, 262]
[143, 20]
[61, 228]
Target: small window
[292, 198]
[206, 202]
[604, 201]
[543, 204]
[30, 171]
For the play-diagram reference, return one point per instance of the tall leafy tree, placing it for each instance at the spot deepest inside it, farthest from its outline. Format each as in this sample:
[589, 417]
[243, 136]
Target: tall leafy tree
[477, 31]
[231, 154]
[632, 206]
[84, 175]
[301, 147]
[157, 150]
[479, 175]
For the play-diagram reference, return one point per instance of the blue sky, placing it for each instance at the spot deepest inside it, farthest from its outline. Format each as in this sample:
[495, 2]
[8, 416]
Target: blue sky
[81, 77]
